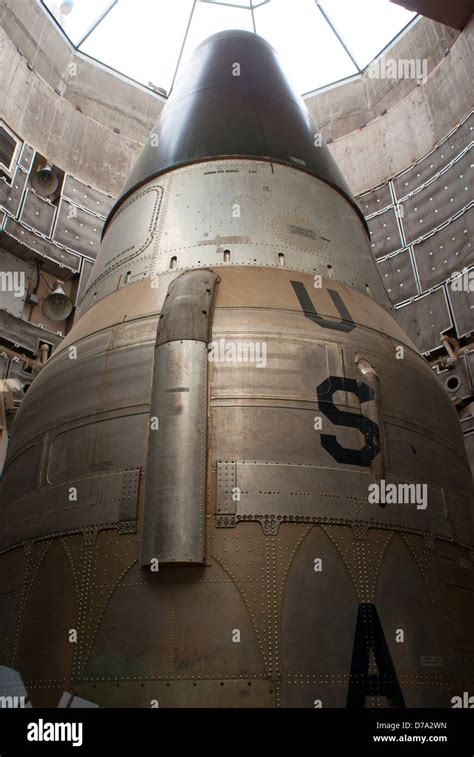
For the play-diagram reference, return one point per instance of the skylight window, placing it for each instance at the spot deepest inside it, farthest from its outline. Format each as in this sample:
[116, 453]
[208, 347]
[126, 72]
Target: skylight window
[319, 41]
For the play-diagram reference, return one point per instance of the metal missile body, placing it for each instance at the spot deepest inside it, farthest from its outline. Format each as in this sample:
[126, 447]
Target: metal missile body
[200, 482]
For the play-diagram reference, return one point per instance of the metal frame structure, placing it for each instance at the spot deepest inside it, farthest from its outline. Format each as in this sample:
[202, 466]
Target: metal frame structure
[251, 7]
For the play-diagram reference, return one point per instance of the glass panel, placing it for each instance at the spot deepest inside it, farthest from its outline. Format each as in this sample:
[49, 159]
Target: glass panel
[309, 51]
[210, 18]
[76, 16]
[240, 3]
[142, 39]
[366, 26]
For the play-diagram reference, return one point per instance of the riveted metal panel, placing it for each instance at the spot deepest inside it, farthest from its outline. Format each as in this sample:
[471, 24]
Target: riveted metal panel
[111, 646]
[226, 504]
[384, 233]
[38, 213]
[17, 238]
[87, 197]
[197, 693]
[446, 251]
[405, 601]
[398, 276]
[426, 319]
[375, 200]
[278, 431]
[26, 157]
[11, 194]
[438, 200]
[102, 502]
[175, 491]
[121, 244]
[435, 161]
[275, 493]
[461, 298]
[314, 663]
[77, 229]
[127, 248]
[245, 213]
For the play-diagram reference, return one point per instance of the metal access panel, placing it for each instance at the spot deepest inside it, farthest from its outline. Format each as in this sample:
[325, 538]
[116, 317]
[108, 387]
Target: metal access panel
[439, 200]
[398, 277]
[78, 229]
[375, 200]
[11, 194]
[38, 213]
[425, 319]
[384, 233]
[462, 303]
[87, 197]
[446, 251]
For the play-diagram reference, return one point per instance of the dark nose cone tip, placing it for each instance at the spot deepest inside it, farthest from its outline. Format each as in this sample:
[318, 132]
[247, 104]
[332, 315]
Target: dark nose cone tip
[232, 99]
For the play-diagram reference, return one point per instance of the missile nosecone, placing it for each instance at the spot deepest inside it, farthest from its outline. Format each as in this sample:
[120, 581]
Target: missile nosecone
[236, 479]
[234, 100]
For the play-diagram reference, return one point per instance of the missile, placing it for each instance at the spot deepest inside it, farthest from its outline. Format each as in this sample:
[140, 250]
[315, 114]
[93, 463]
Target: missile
[236, 483]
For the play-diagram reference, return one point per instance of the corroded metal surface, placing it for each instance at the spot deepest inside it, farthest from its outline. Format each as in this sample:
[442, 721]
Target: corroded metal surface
[297, 504]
